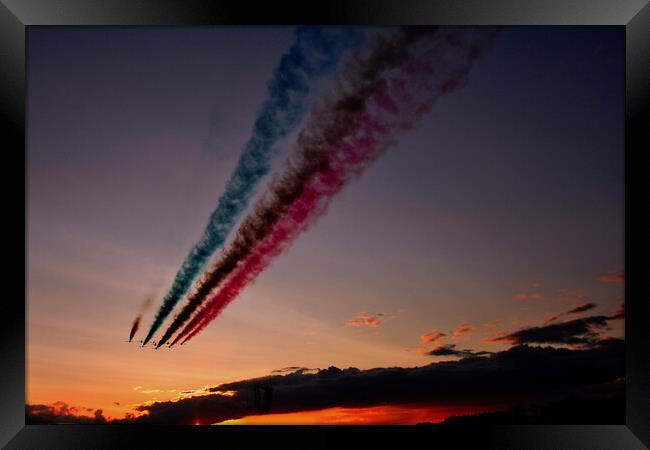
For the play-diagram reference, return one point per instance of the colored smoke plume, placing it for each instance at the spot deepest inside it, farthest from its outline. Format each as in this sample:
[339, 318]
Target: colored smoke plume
[346, 135]
[315, 53]
[324, 130]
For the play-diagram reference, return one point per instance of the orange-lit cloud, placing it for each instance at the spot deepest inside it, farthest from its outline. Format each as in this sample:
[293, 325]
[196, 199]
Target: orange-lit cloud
[498, 337]
[553, 318]
[366, 320]
[61, 412]
[157, 391]
[433, 337]
[463, 328]
[614, 276]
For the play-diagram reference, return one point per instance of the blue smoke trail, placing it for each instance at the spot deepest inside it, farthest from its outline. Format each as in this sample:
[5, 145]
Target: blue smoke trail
[315, 52]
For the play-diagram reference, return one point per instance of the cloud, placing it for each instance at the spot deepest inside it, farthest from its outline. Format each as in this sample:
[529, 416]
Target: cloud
[366, 320]
[603, 404]
[437, 338]
[581, 308]
[450, 350]
[614, 276]
[462, 329]
[61, 412]
[584, 331]
[576, 310]
[433, 337]
[292, 369]
[522, 373]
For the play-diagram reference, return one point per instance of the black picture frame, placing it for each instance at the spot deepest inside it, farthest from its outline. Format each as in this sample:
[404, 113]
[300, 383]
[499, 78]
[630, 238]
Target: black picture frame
[16, 15]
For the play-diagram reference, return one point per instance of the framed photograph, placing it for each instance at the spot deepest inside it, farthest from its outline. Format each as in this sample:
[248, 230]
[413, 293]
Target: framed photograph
[340, 222]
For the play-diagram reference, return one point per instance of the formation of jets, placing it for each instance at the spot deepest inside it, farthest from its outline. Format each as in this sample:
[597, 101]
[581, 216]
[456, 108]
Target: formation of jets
[152, 343]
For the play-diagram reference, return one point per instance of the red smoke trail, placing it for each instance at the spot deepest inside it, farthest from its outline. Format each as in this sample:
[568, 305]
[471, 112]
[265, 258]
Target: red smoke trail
[305, 210]
[436, 68]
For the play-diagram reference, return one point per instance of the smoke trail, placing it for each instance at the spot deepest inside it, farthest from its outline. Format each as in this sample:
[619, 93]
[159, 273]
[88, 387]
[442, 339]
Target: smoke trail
[436, 68]
[315, 53]
[134, 328]
[136, 322]
[388, 52]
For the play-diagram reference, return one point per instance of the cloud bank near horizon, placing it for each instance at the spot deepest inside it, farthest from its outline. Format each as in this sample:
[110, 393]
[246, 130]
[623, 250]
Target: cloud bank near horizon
[520, 374]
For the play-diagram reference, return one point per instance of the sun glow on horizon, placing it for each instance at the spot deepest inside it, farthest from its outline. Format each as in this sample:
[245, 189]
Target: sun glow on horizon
[375, 415]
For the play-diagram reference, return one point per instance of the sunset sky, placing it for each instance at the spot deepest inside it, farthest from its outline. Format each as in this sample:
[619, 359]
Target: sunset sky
[501, 210]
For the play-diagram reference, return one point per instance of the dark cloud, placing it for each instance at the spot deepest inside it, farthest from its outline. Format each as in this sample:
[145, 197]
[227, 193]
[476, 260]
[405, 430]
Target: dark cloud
[577, 310]
[604, 405]
[292, 369]
[522, 373]
[450, 350]
[61, 412]
[581, 308]
[583, 331]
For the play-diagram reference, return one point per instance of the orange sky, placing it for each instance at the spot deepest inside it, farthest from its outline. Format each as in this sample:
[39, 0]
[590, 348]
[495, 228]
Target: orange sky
[95, 367]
